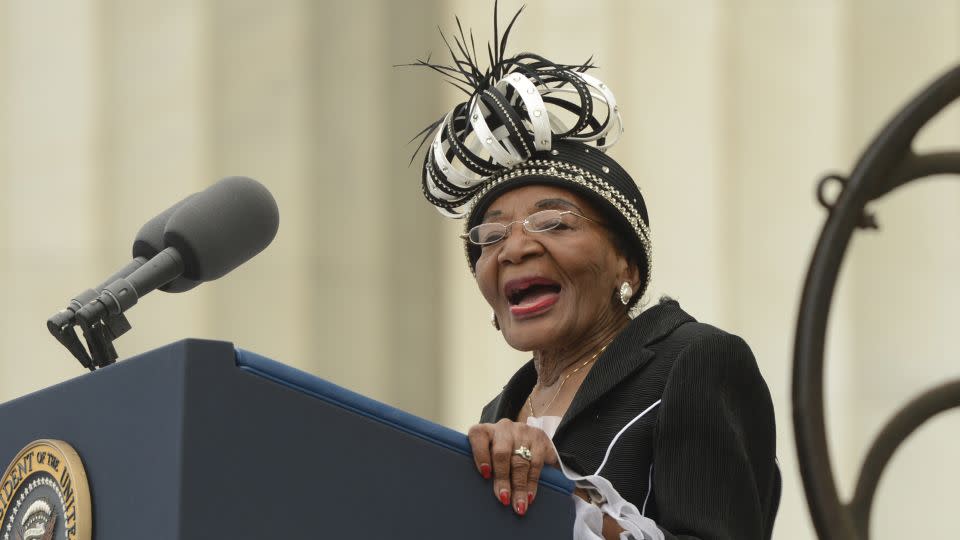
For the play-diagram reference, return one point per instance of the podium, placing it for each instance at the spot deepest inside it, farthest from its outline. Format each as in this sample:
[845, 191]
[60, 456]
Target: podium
[198, 439]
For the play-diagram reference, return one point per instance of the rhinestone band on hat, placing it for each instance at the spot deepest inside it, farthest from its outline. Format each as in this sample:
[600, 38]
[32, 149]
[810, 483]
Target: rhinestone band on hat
[525, 152]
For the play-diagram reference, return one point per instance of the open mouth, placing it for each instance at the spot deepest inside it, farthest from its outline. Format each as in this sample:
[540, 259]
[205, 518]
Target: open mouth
[531, 296]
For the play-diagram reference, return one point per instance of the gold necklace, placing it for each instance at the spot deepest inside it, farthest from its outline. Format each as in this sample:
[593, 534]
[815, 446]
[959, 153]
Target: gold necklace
[560, 388]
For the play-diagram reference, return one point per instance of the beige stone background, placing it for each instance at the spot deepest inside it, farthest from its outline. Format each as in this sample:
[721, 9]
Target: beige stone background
[111, 110]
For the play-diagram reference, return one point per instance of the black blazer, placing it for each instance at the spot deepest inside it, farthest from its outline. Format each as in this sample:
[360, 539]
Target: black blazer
[701, 463]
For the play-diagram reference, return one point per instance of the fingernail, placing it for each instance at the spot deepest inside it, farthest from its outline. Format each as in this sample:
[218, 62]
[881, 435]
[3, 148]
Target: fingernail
[521, 507]
[485, 471]
[505, 497]
[529, 497]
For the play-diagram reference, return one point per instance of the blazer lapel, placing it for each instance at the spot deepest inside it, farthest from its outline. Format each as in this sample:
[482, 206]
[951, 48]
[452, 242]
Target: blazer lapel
[626, 354]
[603, 377]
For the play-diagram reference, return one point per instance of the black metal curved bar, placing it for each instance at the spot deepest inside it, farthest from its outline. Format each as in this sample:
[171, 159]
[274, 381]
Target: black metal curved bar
[922, 408]
[915, 167]
[887, 163]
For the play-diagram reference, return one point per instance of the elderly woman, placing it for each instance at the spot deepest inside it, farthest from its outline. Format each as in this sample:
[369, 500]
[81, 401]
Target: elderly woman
[665, 422]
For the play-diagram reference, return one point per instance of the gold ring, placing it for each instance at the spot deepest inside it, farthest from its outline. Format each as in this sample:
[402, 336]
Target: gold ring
[523, 452]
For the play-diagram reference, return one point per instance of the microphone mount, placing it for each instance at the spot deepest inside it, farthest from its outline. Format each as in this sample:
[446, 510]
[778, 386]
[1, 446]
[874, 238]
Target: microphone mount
[102, 320]
[99, 336]
[62, 325]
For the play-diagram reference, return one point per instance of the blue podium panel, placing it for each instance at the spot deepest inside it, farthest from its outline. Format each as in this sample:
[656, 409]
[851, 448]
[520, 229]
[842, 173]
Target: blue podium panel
[126, 422]
[197, 440]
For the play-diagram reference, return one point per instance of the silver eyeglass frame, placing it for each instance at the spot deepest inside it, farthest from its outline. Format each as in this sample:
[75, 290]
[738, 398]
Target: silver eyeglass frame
[507, 227]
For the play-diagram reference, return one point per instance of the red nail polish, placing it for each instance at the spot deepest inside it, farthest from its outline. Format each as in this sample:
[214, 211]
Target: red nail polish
[505, 497]
[529, 497]
[522, 508]
[485, 471]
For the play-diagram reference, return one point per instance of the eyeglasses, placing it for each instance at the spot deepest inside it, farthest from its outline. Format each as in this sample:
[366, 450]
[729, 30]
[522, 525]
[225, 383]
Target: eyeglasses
[486, 234]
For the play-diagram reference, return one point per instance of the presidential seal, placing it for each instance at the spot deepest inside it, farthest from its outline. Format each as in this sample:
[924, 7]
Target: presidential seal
[44, 495]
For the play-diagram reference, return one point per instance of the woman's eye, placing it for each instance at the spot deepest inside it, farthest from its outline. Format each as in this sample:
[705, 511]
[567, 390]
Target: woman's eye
[554, 227]
[492, 237]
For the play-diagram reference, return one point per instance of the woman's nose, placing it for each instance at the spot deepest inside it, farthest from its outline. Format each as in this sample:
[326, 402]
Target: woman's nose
[519, 244]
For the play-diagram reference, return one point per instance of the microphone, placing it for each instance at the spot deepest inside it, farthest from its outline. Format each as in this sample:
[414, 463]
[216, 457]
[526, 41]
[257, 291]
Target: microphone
[222, 227]
[147, 243]
[209, 234]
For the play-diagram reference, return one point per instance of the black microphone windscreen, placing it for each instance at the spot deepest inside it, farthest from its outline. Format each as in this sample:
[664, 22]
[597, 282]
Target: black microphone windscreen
[222, 227]
[149, 242]
[149, 239]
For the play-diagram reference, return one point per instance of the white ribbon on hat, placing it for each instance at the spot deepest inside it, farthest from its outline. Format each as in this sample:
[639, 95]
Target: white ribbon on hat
[496, 145]
[601, 92]
[537, 112]
[453, 174]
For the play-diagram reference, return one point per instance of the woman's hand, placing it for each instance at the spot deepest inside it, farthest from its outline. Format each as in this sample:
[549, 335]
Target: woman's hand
[514, 478]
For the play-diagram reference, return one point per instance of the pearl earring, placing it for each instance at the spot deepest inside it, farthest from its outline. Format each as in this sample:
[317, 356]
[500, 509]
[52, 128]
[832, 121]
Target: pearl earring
[626, 292]
[493, 320]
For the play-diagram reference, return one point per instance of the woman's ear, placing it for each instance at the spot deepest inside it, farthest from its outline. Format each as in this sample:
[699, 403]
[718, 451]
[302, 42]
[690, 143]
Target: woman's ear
[628, 271]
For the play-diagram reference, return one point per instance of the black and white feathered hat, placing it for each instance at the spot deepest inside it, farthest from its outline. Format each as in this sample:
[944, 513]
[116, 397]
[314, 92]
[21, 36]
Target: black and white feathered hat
[528, 120]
